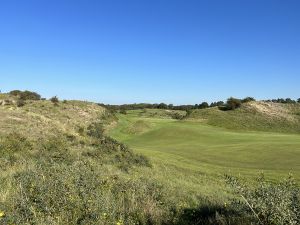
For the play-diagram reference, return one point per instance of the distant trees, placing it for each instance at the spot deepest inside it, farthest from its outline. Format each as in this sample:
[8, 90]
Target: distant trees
[214, 104]
[284, 101]
[230, 104]
[162, 106]
[203, 105]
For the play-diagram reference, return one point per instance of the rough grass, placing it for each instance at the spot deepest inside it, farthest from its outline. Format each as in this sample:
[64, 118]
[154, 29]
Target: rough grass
[59, 167]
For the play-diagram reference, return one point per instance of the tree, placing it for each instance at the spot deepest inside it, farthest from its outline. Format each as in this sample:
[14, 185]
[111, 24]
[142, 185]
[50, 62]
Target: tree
[248, 99]
[298, 100]
[289, 101]
[162, 106]
[233, 103]
[203, 105]
[214, 104]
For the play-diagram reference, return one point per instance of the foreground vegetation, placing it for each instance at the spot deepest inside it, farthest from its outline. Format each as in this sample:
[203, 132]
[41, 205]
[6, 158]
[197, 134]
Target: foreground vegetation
[59, 165]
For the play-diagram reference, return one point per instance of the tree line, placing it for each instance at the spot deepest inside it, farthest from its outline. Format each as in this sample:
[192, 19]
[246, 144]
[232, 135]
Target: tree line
[230, 104]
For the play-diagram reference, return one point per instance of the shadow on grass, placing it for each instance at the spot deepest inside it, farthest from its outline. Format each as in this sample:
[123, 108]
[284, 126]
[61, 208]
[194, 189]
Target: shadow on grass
[213, 215]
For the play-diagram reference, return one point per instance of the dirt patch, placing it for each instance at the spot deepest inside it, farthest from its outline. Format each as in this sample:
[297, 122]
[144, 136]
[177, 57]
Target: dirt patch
[275, 110]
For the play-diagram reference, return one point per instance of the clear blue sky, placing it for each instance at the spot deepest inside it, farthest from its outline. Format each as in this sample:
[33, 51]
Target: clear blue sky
[124, 51]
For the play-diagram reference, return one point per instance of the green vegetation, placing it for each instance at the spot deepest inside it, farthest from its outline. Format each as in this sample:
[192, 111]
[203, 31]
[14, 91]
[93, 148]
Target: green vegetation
[58, 167]
[70, 163]
[196, 155]
[253, 116]
[55, 100]
[271, 204]
[25, 95]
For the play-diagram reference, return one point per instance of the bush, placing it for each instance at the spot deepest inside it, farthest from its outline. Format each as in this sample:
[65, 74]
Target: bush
[233, 103]
[13, 145]
[29, 95]
[270, 203]
[123, 111]
[81, 193]
[96, 130]
[177, 116]
[20, 103]
[248, 99]
[54, 100]
[15, 93]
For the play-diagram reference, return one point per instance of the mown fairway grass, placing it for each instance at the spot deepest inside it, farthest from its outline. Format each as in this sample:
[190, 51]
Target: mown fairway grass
[210, 150]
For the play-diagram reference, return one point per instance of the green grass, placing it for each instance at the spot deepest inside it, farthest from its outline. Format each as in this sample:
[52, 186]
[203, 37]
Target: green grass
[213, 150]
[190, 157]
[58, 167]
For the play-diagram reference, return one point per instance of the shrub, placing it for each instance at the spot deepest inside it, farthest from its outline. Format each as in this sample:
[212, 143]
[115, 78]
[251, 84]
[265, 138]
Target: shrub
[269, 203]
[12, 145]
[123, 111]
[233, 103]
[54, 100]
[82, 193]
[29, 95]
[15, 93]
[20, 103]
[96, 130]
[177, 116]
[248, 99]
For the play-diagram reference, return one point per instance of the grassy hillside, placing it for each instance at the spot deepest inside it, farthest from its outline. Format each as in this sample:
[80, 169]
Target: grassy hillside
[209, 149]
[190, 157]
[256, 116]
[59, 166]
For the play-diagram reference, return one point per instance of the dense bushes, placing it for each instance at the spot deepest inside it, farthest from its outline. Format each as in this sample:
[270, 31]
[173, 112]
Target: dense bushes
[269, 203]
[82, 193]
[25, 95]
[57, 185]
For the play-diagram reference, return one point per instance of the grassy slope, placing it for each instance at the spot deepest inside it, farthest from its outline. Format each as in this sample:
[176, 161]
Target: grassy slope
[257, 116]
[53, 161]
[190, 157]
[42, 118]
[208, 149]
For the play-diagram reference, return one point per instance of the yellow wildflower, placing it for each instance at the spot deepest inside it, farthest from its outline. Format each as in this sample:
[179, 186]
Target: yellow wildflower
[120, 222]
[2, 214]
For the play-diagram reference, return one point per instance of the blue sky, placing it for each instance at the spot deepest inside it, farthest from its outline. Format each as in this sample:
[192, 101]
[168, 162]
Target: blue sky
[173, 51]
